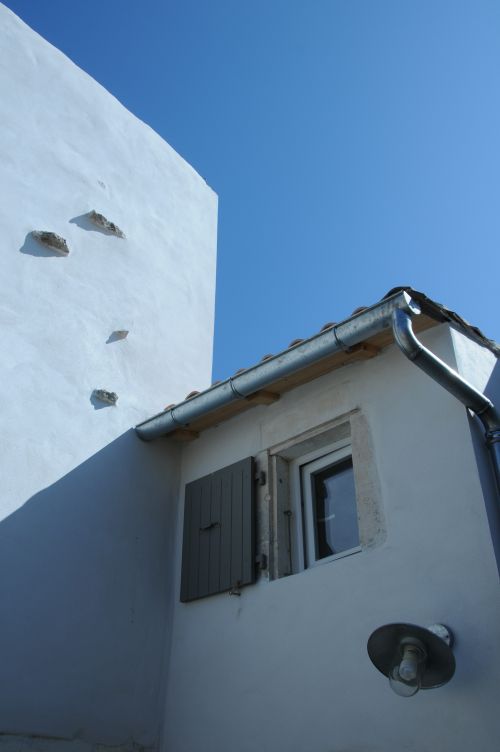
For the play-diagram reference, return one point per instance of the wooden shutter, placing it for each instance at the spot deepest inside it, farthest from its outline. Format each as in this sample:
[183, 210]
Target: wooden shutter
[218, 550]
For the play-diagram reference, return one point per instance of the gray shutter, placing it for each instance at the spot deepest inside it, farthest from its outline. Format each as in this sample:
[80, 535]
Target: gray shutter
[218, 550]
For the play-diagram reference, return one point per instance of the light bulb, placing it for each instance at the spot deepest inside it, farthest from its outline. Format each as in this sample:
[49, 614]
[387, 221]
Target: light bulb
[401, 687]
[408, 668]
[404, 676]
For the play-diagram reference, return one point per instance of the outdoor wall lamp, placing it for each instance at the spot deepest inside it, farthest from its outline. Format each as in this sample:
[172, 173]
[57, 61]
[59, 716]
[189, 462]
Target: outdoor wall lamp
[413, 657]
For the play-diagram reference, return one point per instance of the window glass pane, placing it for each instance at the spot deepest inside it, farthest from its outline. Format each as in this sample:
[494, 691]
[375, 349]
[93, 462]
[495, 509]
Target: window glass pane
[334, 508]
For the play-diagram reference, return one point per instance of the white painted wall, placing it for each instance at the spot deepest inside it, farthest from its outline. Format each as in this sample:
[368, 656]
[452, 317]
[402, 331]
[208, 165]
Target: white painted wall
[481, 368]
[284, 666]
[86, 508]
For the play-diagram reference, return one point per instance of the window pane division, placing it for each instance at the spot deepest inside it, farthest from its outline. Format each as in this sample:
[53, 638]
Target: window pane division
[334, 510]
[329, 506]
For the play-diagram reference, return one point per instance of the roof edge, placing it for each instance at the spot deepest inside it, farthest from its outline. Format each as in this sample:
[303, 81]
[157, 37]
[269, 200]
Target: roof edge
[247, 385]
[340, 337]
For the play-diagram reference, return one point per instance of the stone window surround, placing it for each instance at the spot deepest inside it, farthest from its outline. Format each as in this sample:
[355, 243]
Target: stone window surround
[276, 524]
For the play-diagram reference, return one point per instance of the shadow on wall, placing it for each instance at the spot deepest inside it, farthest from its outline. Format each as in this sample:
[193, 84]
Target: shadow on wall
[97, 403]
[86, 592]
[484, 463]
[84, 223]
[33, 248]
[493, 386]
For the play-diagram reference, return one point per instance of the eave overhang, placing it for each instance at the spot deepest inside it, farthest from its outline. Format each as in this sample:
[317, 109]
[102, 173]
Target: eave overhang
[358, 338]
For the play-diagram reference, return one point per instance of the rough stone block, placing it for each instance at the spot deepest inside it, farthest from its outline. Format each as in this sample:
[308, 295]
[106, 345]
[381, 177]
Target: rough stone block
[51, 240]
[101, 221]
[104, 396]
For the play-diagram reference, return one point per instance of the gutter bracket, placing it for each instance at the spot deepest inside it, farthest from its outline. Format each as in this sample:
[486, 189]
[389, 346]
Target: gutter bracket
[493, 436]
[177, 422]
[339, 342]
[234, 390]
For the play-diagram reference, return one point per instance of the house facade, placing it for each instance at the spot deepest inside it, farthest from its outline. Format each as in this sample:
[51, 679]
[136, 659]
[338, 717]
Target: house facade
[281, 662]
[211, 579]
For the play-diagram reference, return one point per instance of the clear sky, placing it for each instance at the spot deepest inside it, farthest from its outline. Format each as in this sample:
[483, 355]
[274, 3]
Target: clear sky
[354, 145]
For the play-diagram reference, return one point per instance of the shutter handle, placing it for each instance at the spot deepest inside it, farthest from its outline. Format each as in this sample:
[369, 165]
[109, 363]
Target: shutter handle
[210, 526]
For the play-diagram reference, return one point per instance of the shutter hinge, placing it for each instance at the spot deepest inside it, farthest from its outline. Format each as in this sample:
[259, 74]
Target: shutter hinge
[261, 561]
[261, 478]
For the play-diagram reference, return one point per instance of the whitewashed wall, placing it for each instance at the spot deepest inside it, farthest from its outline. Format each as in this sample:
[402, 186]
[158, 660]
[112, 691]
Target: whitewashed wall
[284, 666]
[85, 508]
[482, 369]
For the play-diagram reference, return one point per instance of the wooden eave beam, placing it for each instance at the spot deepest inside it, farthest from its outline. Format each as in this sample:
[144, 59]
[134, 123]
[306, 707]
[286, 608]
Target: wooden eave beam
[262, 397]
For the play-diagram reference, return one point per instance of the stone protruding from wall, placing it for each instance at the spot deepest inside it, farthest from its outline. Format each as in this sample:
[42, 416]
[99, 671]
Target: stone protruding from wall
[52, 241]
[104, 396]
[101, 221]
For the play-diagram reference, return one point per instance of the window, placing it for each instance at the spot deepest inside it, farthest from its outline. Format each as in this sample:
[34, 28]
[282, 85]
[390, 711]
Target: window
[328, 507]
[324, 512]
[309, 500]
[324, 496]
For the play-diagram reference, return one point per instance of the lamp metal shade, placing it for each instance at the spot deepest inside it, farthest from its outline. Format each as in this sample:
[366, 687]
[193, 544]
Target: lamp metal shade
[384, 650]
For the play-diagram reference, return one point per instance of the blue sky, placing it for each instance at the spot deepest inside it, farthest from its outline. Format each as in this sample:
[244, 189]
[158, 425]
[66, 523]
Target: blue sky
[354, 145]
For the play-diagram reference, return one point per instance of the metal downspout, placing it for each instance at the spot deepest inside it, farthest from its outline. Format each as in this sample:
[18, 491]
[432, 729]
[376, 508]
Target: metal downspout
[468, 395]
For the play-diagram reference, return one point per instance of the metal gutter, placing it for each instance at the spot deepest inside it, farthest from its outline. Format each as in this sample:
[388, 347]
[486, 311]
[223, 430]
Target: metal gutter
[343, 336]
[450, 380]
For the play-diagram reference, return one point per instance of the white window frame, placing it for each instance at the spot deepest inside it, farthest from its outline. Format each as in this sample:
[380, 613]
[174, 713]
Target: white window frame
[303, 537]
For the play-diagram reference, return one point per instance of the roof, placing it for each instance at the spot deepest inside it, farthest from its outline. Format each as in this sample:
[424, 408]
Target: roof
[441, 314]
[276, 374]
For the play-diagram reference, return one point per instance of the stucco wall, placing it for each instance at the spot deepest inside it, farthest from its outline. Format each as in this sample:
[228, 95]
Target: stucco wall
[284, 666]
[85, 510]
[481, 368]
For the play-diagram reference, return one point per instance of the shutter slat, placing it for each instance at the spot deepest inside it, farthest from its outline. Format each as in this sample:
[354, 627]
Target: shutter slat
[248, 525]
[205, 532]
[215, 535]
[236, 528]
[225, 533]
